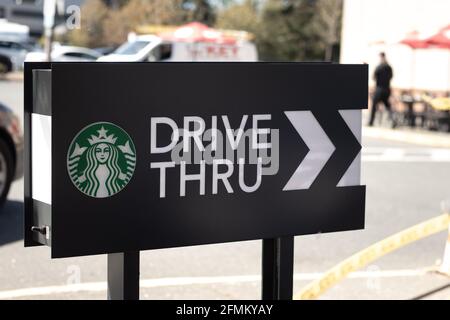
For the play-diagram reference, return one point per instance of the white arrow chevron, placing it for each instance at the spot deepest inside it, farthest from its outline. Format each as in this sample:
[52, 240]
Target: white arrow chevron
[320, 149]
[352, 177]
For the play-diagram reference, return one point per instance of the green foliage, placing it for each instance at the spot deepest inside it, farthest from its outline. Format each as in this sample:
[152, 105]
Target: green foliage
[140, 12]
[285, 30]
[107, 22]
[328, 25]
[288, 30]
[199, 10]
[288, 33]
[91, 33]
[243, 16]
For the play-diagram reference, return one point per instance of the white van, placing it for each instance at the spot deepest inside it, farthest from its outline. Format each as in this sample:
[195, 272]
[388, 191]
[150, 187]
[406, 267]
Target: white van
[142, 48]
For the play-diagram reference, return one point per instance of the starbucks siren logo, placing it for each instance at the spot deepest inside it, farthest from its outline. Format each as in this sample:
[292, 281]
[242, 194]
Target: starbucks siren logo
[101, 159]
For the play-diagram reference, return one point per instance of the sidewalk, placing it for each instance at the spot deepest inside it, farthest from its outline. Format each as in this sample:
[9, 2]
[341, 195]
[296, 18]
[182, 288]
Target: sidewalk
[13, 76]
[361, 285]
[409, 135]
[404, 134]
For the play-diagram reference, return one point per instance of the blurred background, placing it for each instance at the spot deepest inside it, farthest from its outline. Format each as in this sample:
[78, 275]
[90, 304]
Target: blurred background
[406, 139]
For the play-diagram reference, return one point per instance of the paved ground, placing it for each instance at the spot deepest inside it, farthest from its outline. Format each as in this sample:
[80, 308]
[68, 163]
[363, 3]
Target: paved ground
[402, 189]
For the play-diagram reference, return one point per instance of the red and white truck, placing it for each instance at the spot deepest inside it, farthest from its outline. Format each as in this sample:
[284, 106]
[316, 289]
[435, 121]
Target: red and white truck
[191, 42]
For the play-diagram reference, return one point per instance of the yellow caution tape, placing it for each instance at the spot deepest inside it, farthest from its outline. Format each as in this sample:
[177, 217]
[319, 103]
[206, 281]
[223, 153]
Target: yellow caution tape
[375, 251]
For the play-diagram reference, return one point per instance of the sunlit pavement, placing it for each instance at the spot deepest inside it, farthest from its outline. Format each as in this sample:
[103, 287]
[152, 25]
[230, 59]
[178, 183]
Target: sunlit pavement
[400, 193]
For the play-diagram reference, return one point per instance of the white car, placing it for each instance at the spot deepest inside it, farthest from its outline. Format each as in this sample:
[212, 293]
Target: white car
[12, 54]
[65, 54]
[136, 49]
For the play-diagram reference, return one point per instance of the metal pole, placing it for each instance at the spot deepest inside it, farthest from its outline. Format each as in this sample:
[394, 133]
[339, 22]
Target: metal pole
[48, 44]
[277, 268]
[285, 268]
[268, 269]
[123, 276]
[49, 12]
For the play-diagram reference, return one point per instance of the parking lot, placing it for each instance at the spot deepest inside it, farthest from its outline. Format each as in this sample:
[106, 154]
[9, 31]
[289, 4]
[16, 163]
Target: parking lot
[401, 191]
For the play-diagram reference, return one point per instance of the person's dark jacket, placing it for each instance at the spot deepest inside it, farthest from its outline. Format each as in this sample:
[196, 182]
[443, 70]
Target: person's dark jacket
[383, 75]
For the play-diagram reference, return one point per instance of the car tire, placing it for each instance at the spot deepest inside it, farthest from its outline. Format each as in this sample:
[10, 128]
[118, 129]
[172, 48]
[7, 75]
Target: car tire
[6, 170]
[5, 65]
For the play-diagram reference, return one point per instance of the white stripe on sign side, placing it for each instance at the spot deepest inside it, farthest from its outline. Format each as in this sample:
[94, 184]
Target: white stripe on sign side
[41, 158]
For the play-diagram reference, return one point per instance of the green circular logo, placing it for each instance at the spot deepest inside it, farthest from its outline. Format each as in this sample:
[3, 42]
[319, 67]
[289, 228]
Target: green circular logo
[101, 159]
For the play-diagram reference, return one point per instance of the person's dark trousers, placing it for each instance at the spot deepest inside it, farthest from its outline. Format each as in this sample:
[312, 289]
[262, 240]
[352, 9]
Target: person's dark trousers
[380, 95]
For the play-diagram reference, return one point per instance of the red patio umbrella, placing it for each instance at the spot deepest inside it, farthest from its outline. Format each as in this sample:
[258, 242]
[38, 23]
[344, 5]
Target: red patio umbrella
[414, 40]
[440, 39]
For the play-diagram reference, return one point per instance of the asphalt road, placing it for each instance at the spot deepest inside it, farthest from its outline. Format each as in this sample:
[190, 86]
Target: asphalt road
[400, 193]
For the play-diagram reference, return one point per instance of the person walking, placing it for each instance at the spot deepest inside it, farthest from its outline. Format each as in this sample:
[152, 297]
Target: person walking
[382, 76]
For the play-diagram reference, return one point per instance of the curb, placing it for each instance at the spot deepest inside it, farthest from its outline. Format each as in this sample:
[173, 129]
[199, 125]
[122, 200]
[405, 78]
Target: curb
[14, 76]
[430, 139]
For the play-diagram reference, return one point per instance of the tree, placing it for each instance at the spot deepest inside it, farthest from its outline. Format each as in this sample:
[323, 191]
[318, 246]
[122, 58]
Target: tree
[140, 12]
[91, 33]
[241, 16]
[199, 10]
[287, 32]
[329, 24]
[115, 4]
[108, 22]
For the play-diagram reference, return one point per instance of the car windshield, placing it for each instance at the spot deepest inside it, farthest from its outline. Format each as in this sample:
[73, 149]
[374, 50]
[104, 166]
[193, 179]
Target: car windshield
[132, 47]
[30, 46]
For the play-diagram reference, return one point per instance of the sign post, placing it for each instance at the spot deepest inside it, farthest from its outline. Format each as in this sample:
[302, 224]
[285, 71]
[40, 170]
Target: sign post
[123, 276]
[125, 157]
[277, 268]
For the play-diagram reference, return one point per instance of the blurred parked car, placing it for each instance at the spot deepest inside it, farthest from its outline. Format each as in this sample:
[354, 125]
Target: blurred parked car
[12, 54]
[191, 42]
[105, 50]
[11, 150]
[65, 54]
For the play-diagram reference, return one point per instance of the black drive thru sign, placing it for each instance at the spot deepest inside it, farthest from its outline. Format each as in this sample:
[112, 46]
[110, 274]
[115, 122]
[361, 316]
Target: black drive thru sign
[126, 156]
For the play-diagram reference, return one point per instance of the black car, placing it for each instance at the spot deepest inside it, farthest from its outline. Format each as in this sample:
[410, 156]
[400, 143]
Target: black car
[11, 150]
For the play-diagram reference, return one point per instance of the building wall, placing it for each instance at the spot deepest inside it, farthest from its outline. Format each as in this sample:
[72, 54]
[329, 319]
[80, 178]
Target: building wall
[28, 12]
[371, 26]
